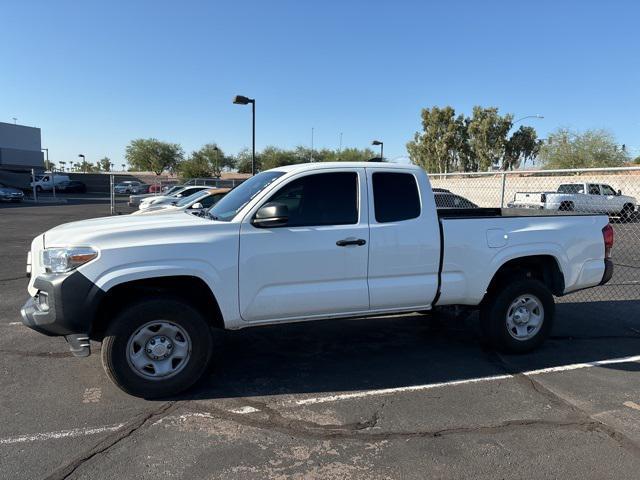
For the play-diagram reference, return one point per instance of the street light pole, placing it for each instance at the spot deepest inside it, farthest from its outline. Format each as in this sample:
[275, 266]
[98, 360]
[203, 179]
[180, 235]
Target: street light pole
[528, 116]
[83, 164]
[242, 100]
[53, 171]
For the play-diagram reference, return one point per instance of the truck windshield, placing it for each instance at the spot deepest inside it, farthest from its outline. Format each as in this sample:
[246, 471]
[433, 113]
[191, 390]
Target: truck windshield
[232, 203]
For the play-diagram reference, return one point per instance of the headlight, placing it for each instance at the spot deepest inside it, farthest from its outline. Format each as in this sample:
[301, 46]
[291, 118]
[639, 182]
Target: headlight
[61, 260]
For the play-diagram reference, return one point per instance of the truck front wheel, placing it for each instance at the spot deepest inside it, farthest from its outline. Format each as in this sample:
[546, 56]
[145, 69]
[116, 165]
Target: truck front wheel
[518, 316]
[157, 348]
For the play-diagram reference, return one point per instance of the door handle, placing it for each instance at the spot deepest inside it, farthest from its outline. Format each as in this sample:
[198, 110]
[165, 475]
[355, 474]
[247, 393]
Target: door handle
[351, 241]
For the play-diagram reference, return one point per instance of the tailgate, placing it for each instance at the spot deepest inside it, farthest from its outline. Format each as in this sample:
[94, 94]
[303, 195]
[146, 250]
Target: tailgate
[528, 197]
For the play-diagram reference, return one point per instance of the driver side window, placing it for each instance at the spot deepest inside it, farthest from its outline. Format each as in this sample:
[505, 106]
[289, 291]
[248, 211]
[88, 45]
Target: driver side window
[607, 190]
[320, 199]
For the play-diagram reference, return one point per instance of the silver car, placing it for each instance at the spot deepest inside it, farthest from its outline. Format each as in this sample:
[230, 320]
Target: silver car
[10, 194]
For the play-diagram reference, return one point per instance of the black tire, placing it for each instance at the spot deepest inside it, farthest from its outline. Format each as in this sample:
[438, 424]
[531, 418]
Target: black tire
[129, 321]
[566, 207]
[627, 213]
[495, 308]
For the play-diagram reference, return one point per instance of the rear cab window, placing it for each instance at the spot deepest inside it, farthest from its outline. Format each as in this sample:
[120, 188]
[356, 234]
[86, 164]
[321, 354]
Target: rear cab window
[570, 188]
[395, 197]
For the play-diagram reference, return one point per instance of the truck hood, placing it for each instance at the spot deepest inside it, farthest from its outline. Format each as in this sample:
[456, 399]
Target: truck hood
[158, 210]
[97, 230]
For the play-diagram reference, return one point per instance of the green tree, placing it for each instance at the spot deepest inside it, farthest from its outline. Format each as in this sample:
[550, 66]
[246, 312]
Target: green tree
[591, 148]
[49, 165]
[150, 154]
[441, 145]
[211, 158]
[637, 160]
[353, 155]
[86, 167]
[523, 145]
[104, 164]
[243, 161]
[272, 157]
[488, 131]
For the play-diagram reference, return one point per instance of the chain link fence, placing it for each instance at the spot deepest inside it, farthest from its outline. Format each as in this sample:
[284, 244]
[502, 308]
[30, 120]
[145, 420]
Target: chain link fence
[609, 191]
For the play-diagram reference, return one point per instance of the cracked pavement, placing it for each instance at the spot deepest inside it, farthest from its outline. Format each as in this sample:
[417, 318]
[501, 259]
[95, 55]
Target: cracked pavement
[61, 418]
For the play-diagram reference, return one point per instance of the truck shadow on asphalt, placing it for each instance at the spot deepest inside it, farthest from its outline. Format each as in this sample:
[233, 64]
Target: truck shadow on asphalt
[379, 353]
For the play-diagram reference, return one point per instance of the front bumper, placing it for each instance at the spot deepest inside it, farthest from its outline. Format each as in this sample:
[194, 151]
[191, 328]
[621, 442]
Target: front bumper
[65, 305]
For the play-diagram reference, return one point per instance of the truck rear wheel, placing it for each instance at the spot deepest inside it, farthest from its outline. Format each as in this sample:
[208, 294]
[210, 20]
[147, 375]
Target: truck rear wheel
[627, 212]
[566, 207]
[518, 316]
[157, 348]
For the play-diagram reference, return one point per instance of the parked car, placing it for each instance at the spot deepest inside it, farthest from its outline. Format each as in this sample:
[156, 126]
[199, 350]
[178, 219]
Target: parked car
[302, 242]
[130, 186]
[10, 194]
[194, 203]
[46, 181]
[73, 186]
[134, 200]
[167, 199]
[446, 199]
[579, 197]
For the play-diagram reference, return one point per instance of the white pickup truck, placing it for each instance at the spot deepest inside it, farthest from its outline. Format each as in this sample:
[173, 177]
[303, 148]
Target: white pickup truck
[579, 197]
[46, 181]
[302, 242]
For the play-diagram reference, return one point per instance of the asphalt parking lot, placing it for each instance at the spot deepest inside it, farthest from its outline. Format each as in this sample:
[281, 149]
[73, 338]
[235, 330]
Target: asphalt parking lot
[369, 398]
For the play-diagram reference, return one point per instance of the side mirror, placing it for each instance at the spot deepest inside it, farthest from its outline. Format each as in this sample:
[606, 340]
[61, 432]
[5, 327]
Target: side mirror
[197, 206]
[271, 215]
[619, 192]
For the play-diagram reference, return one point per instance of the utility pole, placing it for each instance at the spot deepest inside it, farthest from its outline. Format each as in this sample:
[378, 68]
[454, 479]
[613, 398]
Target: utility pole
[311, 159]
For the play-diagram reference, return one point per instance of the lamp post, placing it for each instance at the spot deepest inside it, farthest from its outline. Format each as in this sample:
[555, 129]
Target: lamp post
[378, 142]
[242, 100]
[528, 116]
[82, 165]
[53, 171]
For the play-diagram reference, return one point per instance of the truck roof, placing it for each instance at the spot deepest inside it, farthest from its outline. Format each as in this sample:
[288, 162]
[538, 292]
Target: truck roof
[321, 165]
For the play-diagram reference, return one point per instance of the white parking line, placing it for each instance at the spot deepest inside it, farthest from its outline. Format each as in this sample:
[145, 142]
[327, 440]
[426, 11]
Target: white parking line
[631, 404]
[430, 386]
[15, 323]
[92, 395]
[74, 432]
[244, 410]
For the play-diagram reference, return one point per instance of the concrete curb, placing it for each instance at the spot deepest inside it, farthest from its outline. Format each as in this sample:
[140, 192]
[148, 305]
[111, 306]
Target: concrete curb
[48, 201]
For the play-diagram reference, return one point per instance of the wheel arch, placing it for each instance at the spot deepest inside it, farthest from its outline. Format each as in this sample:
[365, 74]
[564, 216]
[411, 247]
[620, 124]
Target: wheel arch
[190, 288]
[545, 268]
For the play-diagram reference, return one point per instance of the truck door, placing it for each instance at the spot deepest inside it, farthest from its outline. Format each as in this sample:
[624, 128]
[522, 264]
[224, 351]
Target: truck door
[404, 255]
[612, 202]
[316, 264]
[595, 201]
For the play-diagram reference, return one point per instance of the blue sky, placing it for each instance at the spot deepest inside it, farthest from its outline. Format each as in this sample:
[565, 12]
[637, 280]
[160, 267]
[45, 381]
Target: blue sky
[94, 75]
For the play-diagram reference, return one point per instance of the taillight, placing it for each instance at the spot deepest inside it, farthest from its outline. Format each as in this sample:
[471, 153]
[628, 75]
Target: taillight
[543, 197]
[607, 235]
